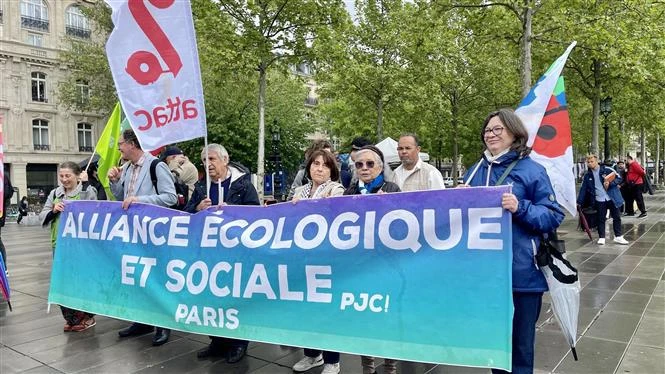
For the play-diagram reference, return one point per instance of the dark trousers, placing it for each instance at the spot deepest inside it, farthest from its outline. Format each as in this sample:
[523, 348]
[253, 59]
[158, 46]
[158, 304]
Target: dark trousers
[220, 342]
[527, 309]
[602, 207]
[3, 251]
[328, 357]
[634, 194]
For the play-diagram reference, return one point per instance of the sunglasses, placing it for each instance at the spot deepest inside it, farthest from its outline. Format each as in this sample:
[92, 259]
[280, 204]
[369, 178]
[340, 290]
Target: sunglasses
[361, 165]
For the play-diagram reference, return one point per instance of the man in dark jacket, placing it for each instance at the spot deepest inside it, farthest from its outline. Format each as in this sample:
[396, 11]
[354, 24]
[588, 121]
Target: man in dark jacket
[599, 189]
[230, 184]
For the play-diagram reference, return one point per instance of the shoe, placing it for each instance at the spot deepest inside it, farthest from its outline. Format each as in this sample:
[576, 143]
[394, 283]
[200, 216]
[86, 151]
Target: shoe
[135, 329]
[67, 327]
[235, 354]
[161, 336]
[629, 214]
[601, 241]
[331, 368]
[212, 350]
[307, 363]
[644, 214]
[85, 324]
[620, 240]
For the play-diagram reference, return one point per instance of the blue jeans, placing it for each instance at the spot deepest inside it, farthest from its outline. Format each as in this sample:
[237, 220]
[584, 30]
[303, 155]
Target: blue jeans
[527, 309]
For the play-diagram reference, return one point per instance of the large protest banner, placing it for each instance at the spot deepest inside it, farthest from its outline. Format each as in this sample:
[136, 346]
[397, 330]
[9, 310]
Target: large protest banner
[421, 276]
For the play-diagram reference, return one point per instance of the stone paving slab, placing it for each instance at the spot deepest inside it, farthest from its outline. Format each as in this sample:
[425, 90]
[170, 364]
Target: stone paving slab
[621, 326]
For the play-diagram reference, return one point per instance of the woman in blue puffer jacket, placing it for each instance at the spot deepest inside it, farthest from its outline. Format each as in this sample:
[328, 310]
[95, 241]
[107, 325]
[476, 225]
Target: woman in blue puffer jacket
[535, 212]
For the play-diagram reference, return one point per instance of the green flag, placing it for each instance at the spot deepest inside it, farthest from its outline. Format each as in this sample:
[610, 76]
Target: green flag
[107, 149]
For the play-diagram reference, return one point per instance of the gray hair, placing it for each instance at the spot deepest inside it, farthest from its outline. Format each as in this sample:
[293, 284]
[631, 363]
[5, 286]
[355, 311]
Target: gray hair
[377, 158]
[217, 148]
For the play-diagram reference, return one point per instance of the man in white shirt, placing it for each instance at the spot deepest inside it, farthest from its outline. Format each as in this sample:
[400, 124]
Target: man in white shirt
[414, 174]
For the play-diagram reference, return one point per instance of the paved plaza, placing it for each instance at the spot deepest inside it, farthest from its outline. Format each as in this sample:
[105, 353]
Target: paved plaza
[621, 327]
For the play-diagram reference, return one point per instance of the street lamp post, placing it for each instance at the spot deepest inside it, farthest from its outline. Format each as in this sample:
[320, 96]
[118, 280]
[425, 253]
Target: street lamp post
[606, 110]
[276, 158]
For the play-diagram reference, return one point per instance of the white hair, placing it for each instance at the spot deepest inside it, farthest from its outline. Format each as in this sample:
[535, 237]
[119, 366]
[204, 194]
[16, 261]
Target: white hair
[217, 148]
[377, 158]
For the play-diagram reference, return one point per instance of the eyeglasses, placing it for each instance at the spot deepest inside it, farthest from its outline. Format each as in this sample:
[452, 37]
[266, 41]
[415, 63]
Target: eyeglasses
[361, 165]
[496, 131]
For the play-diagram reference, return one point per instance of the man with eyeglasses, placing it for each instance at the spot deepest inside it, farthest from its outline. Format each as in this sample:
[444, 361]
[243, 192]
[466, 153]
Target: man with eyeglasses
[132, 184]
[414, 174]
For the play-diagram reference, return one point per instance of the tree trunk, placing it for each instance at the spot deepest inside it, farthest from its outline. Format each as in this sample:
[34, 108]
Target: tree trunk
[379, 120]
[622, 144]
[643, 157]
[656, 167]
[525, 48]
[454, 121]
[597, 90]
[260, 172]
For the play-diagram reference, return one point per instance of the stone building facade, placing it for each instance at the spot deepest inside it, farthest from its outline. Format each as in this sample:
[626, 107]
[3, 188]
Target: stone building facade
[38, 131]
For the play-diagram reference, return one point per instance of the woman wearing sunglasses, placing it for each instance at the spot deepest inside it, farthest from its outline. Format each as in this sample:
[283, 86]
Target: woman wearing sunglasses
[370, 169]
[322, 172]
[369, 165]
[506, 161]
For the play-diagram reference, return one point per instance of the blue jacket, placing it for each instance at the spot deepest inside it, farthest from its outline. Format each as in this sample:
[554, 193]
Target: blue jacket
[587, 195]
[537, 212]
[241, 191]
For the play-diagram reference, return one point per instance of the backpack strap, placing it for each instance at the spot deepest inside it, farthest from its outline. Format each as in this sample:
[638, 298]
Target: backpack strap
[506, 172]
[153, 174]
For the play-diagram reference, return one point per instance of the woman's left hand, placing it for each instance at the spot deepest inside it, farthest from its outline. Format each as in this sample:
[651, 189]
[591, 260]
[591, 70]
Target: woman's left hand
[509, 202]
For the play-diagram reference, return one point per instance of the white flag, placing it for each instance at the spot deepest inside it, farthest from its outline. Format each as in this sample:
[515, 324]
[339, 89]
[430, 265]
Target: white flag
[155, 65]
[544, 112]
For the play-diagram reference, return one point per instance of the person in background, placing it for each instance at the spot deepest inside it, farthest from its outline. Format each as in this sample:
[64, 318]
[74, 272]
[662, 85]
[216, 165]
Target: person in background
[183, 170]
[635, 183]
[600, 189]
[414, 174]
[8, 192]
[300, 178]
[370, 164]
[22, 209]
[535, 212]
[623, 188]
[230, 184]
[133, 184]
[74, 185]
[322, 172]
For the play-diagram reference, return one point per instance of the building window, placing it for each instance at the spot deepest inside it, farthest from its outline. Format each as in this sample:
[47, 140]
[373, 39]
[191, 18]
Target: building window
[2, 11]
[85, 137]
[76, 23]
[35, 40]
[40, 134]
[83, 92]
[39, 87]
[34, 15]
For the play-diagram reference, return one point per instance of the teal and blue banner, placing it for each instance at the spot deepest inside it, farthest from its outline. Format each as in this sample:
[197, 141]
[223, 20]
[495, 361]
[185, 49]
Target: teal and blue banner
[418, 276]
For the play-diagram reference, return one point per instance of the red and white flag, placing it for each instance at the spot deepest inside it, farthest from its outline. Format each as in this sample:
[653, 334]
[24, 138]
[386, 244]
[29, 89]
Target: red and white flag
[155, 65]
[544, 112]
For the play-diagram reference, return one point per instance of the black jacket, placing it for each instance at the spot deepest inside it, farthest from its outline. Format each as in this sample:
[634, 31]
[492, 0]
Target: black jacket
[241, 191]
[8, 193]
[385, 187]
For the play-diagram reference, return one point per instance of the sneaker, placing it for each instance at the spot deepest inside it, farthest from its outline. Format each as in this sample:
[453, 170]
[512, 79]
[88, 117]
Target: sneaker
[309, 362]
[620, 240]
[85, 324]
[644, 214]
[331, 368]
[601, 241]
[629, 214]
[67, 327]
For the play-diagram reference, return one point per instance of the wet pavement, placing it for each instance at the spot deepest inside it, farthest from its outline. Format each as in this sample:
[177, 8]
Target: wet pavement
[621, 325]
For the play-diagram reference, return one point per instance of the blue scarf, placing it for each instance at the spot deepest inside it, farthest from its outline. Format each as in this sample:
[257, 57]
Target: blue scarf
[366, 189]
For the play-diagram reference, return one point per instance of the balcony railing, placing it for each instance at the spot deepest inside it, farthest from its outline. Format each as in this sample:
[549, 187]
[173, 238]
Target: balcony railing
[42, 147]
[77, 32]
[86, 148]
[34, 23]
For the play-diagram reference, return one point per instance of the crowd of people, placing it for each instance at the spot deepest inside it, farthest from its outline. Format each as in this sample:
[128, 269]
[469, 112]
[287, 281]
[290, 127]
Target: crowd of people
[504, 160]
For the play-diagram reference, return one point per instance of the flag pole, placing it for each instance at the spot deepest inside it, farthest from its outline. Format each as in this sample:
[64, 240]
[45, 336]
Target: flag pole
[90, 161]
[205, 165]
